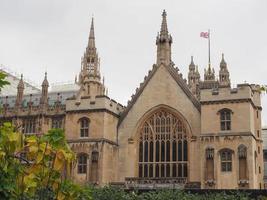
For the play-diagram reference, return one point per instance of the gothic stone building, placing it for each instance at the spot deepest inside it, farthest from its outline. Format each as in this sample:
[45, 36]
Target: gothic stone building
[173, 132]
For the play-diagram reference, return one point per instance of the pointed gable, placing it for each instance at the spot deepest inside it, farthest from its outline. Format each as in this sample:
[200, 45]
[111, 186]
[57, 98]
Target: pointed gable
[175, 75]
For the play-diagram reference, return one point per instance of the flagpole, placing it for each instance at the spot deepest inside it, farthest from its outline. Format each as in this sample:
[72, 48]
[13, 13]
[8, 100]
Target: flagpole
[209, 46]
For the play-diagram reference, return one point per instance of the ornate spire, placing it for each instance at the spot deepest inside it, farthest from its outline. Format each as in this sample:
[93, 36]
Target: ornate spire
[20, 90]
[224, 75]
[209, 74]
[44, 97]
[163, 42]
[90, 60]
[192, 64]
[90, 77]
[45, 81]
[164, 28]
[193, 77]
[21, 83]
[223, 63]
[91, 41]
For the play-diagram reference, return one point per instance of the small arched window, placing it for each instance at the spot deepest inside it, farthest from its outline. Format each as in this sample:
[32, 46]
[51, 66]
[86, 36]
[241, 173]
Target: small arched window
[82, 163]
[226, 160]
[84, 127]
[95, 156]
[225, 119]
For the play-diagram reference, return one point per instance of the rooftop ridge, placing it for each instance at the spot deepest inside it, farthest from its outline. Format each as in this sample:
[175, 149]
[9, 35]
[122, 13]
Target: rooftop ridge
[62, 83]
[17, 76]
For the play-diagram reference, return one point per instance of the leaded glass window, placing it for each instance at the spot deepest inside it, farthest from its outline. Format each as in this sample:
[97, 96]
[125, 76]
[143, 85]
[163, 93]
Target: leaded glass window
[163, 146]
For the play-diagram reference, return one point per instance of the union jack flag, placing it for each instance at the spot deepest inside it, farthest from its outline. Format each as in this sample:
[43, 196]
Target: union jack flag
[205, 34]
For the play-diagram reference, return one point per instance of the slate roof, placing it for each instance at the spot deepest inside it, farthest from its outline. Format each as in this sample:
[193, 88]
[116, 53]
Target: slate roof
[56, 92]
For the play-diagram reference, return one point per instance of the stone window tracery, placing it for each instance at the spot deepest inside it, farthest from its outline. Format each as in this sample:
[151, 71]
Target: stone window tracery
[84, 127]
[226, 160]
[57, 122]
[29, 125]
[82, 163]
[163, 147]
[225, 119]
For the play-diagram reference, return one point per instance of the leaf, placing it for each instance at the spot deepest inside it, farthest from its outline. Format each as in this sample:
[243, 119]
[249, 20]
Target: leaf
[2, 154]
[33, 149]
[35, 169]
[40, 157]
[31, 139]
[60, 196]
[29, 181]
[45, 148]
[59, 161]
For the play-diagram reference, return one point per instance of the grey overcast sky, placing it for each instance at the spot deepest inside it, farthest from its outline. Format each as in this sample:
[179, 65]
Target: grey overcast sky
[40, 35]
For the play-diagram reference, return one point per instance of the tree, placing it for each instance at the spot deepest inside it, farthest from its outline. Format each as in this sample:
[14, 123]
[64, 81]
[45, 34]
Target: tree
[36, 167]
[263, 88]
[3, 82]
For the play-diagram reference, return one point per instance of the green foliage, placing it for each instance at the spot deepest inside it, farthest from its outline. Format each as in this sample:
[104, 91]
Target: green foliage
[10, 144]
[263, 88]
[3, 82]
[34, 167]
[69, 190]
[108, 193]
[111, 193]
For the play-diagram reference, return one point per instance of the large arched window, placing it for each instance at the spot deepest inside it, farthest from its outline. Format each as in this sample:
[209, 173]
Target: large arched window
[163, 146]
[82, 163]
[84, 127]
[225, 119]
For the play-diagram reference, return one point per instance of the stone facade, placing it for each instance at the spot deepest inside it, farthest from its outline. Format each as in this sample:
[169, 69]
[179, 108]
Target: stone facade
[173, 132]
[264, 146]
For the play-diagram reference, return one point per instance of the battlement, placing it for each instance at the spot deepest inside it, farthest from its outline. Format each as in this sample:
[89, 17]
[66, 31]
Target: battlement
[98, 103]
[244, 91]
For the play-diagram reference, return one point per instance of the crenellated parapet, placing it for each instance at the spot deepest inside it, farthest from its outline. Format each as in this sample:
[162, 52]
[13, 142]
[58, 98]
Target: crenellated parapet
[99, 103]
[243, 92]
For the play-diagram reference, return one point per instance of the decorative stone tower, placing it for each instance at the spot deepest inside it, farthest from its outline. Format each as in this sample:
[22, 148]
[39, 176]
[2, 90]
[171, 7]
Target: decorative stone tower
[193, 77]
[20, 90]
[224, 75]
[163, 42]
[209, 79]
[44, 97]
[209, 74]
[90, 78]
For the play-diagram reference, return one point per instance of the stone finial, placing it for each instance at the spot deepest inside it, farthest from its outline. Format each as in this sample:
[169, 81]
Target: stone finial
[20, 90]
[224, 75]
[223, 64]
[163, 42]
[192, 64]
[21, 83]
[164, 27]
[44, 96]
[45, 81]
[209, 74]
